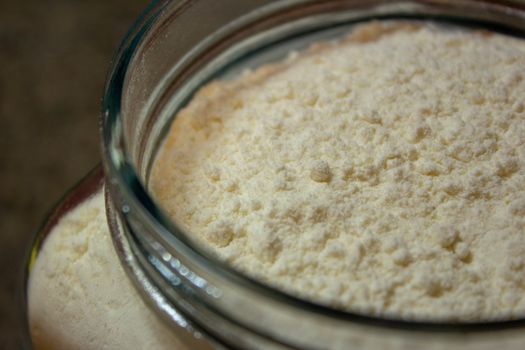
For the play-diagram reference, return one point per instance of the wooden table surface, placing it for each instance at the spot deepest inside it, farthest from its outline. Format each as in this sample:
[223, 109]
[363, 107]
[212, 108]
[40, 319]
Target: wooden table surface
[54, 55]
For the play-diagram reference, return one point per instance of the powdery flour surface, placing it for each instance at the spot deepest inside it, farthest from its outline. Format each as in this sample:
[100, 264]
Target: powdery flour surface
[79, 297]
[382, 173]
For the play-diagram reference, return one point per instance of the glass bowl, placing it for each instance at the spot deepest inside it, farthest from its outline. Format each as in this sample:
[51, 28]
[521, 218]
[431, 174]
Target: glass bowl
[173, 49]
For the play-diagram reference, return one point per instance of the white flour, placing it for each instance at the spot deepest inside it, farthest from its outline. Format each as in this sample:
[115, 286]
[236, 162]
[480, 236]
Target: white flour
[79, 297]
[382, 173]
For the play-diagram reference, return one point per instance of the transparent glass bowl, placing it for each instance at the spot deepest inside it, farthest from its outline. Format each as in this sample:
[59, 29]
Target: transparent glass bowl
[174, 48]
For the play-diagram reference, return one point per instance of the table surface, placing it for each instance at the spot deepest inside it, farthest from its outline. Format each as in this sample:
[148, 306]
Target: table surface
[54, 56]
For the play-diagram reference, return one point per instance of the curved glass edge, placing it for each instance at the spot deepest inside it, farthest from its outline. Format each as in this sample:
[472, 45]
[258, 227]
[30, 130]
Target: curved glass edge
[125, 182]
[191, 335]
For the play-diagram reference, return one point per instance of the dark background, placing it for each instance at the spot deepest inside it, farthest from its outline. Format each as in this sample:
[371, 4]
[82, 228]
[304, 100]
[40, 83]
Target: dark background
[54, 55]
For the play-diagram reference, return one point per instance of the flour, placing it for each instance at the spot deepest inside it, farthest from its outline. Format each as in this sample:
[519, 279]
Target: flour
[79, 297]
[382, 173]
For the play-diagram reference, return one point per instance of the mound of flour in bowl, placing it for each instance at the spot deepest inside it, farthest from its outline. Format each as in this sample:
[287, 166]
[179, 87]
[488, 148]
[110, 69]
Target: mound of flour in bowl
[79, 297]
[381, 173]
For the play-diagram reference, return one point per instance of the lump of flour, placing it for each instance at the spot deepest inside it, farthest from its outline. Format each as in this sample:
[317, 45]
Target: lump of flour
[382, 173]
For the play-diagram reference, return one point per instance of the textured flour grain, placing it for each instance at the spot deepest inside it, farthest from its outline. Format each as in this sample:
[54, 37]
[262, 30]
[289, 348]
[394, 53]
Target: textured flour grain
[382, 173]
